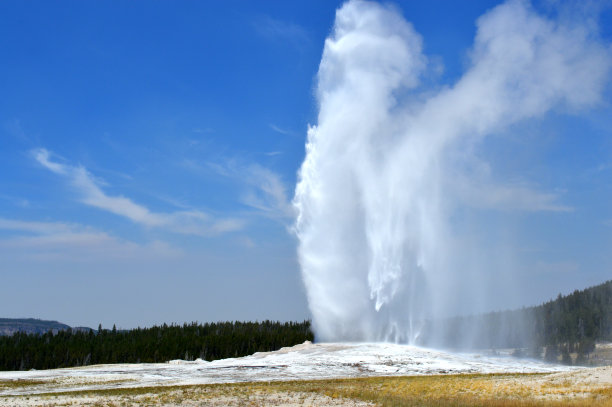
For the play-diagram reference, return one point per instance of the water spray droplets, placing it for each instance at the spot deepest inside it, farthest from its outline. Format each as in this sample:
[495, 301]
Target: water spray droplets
[375, 193]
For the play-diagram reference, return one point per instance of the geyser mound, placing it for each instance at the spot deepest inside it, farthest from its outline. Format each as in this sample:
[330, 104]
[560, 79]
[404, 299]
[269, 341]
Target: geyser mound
[390, 160]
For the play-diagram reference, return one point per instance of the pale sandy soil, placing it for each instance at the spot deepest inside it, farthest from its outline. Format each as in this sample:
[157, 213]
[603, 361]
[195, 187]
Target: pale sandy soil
[282, 378]
[560, 386]
[596, 376]
[572, 385]
[581, 383]
[181, 398]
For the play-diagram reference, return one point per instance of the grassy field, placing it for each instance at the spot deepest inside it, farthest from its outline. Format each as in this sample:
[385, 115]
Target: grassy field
[493, 390]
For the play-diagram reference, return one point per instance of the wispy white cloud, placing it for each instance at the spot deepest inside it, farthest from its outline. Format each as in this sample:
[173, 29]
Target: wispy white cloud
[269, 193]
[484, 194]
[42, 228]
[17, 201]
[282, 131]
[14, 128]
[262, 188]
[91, 193]
[472, 182]
[265, 189]
[600, 168]
[518, 197]
[205, 130]
[54, 240]
[44, 158]
[247, 242]
[279, 30]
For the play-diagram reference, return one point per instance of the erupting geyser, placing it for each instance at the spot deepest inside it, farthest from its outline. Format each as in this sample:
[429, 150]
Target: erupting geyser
[388, 162]
[385, 170]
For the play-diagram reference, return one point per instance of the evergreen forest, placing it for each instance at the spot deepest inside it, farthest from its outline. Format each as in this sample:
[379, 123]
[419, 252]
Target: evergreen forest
[210, 341]
[570, 324]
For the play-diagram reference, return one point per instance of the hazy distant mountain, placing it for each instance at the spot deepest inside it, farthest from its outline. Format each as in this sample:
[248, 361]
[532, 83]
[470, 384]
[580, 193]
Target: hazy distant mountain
[9, 326]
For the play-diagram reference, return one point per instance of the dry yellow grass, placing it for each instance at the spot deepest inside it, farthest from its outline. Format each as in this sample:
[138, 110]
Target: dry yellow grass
[20, 383]
[494, 390]
[470, 390]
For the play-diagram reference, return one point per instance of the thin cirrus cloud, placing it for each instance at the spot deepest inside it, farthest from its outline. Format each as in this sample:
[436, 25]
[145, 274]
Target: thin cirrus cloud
[282, 131]
[42, 228]
[264, 189]
[483, 193]
[278, 30]
[192, 222]
[270, 194]
[46, 241]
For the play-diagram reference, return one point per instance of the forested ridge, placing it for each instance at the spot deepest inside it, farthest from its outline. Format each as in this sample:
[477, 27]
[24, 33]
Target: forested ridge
[210, 341]
[569, 324]
[8, 326]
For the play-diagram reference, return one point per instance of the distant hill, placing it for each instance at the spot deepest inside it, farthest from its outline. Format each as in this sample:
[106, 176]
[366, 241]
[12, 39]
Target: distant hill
[8, 326]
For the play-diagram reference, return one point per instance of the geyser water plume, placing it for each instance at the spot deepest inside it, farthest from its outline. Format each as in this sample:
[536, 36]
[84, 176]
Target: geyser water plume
[380, 179]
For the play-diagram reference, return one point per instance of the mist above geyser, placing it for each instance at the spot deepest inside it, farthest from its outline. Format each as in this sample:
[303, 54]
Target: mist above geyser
[390, 160]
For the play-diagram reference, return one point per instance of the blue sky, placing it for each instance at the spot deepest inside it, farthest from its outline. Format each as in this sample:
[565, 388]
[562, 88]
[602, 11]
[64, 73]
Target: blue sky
[149, 152]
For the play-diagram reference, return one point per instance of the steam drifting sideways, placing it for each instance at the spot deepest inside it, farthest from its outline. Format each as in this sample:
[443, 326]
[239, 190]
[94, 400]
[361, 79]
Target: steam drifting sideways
[377, 188]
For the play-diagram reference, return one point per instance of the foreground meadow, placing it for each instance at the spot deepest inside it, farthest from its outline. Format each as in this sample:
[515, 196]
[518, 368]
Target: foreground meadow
[587, 387]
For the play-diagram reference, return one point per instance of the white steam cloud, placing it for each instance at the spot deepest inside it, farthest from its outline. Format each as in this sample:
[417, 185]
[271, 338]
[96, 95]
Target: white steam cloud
[378, 183]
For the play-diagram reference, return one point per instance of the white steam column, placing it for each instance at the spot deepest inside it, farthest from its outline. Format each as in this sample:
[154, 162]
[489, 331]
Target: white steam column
[380, 179]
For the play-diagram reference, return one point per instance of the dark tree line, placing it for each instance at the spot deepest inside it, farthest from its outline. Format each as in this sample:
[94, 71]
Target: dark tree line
[568, 324]
[209, 341]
